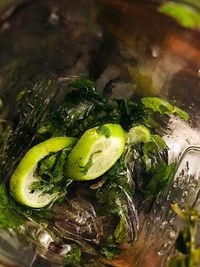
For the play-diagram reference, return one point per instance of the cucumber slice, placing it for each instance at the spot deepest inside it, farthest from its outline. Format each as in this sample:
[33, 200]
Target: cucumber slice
[96, 152]
[138, 134]
[23, 177]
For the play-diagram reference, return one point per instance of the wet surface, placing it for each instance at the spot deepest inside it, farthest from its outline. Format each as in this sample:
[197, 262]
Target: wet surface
[131, 50]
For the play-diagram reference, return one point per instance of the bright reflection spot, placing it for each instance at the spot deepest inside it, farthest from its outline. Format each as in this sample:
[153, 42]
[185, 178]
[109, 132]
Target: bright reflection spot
[175, 147]
[180, 136]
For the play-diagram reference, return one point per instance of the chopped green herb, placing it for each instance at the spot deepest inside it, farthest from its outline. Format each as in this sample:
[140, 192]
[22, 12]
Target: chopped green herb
[45, 166]
[42, 215]
[152, 172]
[131, 113]
[89, 163]
[51, 173]
[162, 175]
[114, 198]
[121, 231]
[104, 131]
[155, 145]
[87, 166]
[109, 250]
[187, 250]
[9, 218]
[73, 257]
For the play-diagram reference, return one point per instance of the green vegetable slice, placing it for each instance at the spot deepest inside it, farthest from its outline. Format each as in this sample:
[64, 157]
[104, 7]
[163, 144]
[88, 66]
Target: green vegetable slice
[138, 134]
[23, 177]
[96, 152]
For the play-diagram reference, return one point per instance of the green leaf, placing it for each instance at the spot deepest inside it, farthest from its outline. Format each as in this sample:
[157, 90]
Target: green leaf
[51, 173]
[87, 88]
[186, 15]
[151, 169]
[83, 108]
[109, 250]
[45, 166]
[114, 199]
[58, 167]
[83, 84]
[162, 175]
[181, 113]
[73, 257]
[38, 214]
[121, 232]
[153, 149]
[155, 145]
[9, 218]
[131, 113]
[187, 250]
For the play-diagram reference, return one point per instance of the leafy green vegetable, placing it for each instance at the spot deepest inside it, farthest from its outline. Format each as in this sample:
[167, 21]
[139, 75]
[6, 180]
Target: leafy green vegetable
[153, 150]
[151, 169]
[51, 173]
[187, 251]
[186, 15]
[115, 199]
[58, 168]
[131, 113]
[108, 249]
[45, 166]
[73, 257]
[9, 218]
[121, 232]
[87, 87]
[162, 175]
[38, 214]
[84, 108]
[155, 145]
[116, 176]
